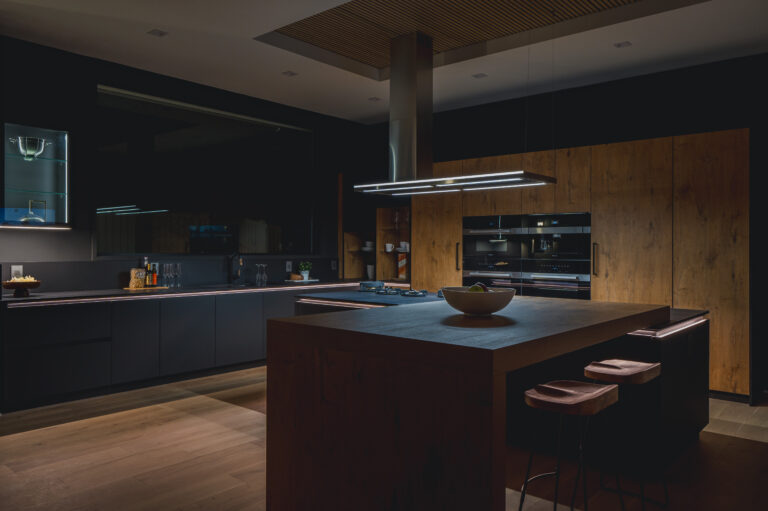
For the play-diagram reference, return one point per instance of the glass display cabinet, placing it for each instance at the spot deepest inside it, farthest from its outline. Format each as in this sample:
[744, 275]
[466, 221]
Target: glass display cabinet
[35, 184]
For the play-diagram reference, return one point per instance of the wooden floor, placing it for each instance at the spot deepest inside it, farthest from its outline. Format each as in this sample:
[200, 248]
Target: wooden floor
[200, 445]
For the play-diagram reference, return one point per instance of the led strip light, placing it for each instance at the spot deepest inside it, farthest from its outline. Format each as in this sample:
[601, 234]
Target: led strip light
[671, 330]
[495, 180]
[161, 295]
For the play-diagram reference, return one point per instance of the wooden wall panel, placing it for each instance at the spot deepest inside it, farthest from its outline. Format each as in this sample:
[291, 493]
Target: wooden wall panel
[447, 168]
[632, 221]
[711, 246]
[572, 191]
[492, 202]
[436, 228]
[539, 199]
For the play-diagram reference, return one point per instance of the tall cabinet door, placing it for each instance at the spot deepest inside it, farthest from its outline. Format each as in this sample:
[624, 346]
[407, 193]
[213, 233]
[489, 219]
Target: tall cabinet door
[507, 201]
[436, 223]
[711, 268]
[632, 221]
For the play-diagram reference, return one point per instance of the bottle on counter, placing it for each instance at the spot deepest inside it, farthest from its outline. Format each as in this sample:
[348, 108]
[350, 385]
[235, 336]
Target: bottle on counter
[148, 276]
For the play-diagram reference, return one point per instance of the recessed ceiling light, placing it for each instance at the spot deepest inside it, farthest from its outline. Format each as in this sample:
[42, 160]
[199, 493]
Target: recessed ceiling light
[288, 72]
[622, 44]
[374, 98]
[479, 75]
[157, 32]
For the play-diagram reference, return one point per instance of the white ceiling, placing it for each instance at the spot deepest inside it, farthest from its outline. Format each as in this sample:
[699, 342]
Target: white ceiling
[212, 43]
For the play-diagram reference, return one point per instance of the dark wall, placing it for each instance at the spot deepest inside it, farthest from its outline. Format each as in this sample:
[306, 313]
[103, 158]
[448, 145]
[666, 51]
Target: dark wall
[54, 89]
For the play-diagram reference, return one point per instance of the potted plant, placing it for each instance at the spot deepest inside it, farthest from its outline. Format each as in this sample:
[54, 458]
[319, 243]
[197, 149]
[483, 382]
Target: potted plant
[304, 268]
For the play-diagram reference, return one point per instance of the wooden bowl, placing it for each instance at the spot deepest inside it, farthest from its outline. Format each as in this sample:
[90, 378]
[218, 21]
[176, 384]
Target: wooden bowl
[21, 288]
[478, 304]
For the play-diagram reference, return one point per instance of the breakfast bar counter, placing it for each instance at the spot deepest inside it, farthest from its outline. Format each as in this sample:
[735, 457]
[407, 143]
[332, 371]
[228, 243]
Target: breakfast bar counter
[407, 405]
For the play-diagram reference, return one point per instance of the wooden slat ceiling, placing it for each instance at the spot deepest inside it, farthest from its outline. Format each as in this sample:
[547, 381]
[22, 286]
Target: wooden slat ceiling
[361, 29]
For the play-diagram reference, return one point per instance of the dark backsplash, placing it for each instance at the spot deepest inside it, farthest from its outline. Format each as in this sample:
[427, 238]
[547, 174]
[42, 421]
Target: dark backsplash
[112, 273]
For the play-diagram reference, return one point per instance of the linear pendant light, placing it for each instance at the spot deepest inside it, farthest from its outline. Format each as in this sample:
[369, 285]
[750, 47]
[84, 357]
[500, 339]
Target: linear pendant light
[410, 132]
[497, 180]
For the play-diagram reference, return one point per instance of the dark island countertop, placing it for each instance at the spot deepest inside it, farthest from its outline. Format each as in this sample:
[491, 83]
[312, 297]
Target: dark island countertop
[107, 295]
[525, 332]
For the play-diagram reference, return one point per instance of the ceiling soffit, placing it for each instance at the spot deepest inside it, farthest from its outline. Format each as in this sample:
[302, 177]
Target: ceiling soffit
[355, 36]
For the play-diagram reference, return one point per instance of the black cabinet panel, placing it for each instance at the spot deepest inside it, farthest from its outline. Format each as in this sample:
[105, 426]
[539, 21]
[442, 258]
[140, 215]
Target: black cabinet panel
[41, 373]
[239, 334]
[280, 304]
[34, 326]
[135, 340]
[187, 334]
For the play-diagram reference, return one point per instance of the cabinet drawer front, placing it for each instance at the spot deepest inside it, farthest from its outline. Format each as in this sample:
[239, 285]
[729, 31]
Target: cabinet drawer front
[37, 374]
[58, 324]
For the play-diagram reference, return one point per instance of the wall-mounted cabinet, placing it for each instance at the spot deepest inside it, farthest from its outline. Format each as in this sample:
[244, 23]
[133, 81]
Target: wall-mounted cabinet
[35, 180]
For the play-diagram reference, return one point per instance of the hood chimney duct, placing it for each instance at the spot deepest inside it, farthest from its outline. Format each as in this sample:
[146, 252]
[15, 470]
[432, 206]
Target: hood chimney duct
[410, 112]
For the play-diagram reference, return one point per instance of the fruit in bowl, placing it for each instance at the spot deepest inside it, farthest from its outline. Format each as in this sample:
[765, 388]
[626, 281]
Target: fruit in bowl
[21, 285]
[478, 299]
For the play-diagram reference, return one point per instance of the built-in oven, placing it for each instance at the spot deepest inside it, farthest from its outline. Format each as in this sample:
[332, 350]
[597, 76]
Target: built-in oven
[538, 255]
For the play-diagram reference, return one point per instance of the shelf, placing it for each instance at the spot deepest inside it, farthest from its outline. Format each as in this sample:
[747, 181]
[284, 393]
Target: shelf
[39, 158]
[39, 192]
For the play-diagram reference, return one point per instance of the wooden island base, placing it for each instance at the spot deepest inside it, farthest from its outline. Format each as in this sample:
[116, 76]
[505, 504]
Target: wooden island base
[405, 407]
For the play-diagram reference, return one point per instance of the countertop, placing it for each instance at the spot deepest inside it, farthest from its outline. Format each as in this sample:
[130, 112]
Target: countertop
[100, 295]
[370, 298]
[525, 332]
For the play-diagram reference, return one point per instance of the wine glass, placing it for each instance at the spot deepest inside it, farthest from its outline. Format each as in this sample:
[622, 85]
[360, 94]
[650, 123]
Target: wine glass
[264, 278]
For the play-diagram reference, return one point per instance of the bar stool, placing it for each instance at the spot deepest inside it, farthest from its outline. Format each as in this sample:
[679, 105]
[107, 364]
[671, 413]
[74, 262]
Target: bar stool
[627, 373]
[566, 397]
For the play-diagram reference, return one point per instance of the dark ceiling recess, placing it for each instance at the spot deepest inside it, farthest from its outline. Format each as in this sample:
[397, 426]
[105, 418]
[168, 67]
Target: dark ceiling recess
[361, 29]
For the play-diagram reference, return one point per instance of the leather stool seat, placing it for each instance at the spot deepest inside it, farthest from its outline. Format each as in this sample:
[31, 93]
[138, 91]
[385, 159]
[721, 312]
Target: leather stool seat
[572, 397]
[623, 371]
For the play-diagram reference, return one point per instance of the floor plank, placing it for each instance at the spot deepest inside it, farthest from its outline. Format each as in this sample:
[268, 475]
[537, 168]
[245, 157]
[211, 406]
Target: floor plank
[200, 445]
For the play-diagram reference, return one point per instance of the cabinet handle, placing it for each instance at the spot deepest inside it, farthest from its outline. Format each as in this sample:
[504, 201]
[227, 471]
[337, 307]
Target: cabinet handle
[594, 259]
[458, 266]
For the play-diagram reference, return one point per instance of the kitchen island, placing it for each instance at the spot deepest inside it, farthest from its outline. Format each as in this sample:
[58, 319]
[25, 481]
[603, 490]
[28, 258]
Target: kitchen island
[406, 407]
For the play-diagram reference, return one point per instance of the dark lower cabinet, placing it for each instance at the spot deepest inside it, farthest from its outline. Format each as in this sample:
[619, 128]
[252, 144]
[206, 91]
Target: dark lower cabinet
[187, 334]
[239, 335]
[135, 340]
[49, 352]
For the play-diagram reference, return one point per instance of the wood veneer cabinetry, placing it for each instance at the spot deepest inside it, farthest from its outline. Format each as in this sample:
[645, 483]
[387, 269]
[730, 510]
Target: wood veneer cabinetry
[670, 217]
[711, 246]
[507, 201]
[436, 227]
[573, 168]
[539, 199]
[632, 221]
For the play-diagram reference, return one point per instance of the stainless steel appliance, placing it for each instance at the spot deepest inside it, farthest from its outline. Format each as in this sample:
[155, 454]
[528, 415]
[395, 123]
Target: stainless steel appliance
[538, 255]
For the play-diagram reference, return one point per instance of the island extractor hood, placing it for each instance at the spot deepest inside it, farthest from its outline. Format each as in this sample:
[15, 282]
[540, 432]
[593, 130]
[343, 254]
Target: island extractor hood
[410, 132]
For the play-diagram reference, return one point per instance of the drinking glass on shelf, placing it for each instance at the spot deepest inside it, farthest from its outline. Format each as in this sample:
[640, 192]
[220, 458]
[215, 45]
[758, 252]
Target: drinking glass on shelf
[177, 274]
[264, 278]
